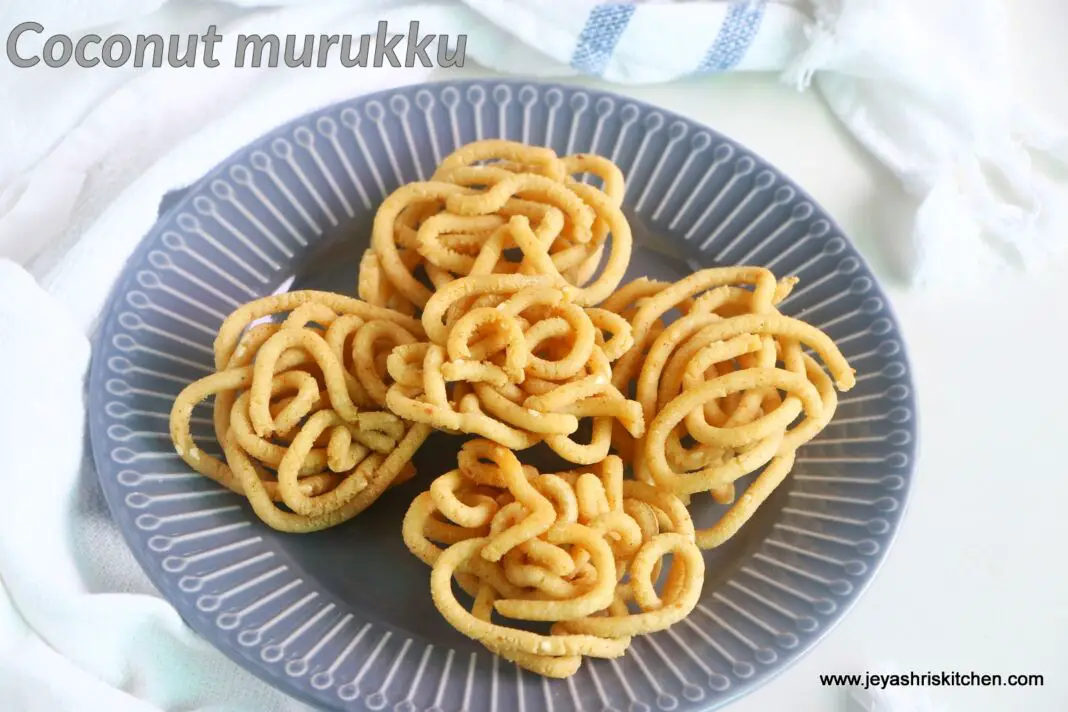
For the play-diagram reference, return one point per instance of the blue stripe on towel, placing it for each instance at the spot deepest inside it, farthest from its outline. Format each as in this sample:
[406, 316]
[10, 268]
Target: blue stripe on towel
[599, 37]
[739, 27]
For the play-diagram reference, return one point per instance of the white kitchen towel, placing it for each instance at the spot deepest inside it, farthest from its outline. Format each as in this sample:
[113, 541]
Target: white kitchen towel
[927, 89]
[80, 627]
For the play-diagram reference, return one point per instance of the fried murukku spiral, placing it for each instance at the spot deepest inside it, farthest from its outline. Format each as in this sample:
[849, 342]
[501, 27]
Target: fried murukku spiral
[492, 197]
[299, 409]
[727, 388]
[582, 549]
[521, 365]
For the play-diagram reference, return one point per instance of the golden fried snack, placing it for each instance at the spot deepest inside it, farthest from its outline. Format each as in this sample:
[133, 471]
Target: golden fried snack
[232, 328]
[535, 159]
[655, 306]
[534, 365]
[492, 196]
[722, 386]
[581, 549]
[298, 409]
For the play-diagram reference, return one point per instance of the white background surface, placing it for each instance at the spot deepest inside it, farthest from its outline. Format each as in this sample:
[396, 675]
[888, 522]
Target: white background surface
[974, 581]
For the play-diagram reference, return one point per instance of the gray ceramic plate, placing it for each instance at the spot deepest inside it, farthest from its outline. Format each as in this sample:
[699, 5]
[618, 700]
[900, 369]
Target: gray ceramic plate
[343, 618]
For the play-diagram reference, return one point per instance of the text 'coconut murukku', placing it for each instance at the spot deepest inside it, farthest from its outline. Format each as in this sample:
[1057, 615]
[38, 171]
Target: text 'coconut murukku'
[582, 549]
[299, 409]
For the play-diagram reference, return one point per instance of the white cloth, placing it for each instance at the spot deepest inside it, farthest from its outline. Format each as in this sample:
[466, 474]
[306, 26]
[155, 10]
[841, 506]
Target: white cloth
[927, 90]
[84, 163]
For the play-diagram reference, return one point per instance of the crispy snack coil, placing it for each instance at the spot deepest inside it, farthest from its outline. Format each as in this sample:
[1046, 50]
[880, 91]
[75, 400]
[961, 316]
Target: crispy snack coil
[518, 364]
[488, 199]
[726, 388]
[299, 409]
[581, 549]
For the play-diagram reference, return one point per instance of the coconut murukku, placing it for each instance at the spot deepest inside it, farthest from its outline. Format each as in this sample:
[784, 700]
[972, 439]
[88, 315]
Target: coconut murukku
[299, 408]
[726, 388]
[561, 548]
[536, 365]
[493, 197]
